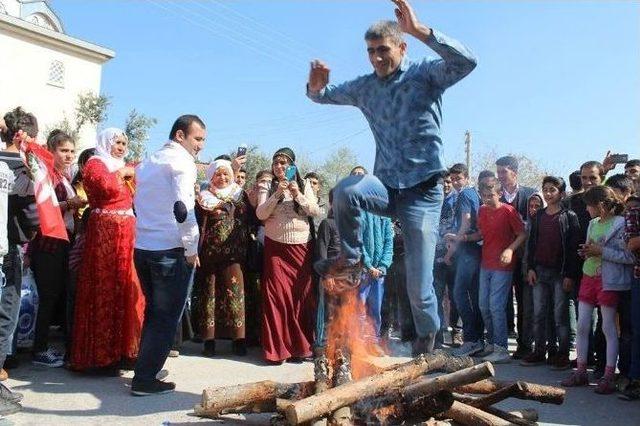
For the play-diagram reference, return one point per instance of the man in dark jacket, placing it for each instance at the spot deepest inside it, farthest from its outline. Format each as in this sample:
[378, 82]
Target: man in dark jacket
[517, 196]
[22, 224]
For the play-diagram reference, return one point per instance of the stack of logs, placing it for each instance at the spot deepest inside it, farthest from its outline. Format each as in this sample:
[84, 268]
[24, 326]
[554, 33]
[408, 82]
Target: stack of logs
[401, 394]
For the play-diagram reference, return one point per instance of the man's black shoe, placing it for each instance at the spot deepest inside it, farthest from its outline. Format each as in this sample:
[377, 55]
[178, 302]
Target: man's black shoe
[155, 387]
[11, 362]
[9, 395]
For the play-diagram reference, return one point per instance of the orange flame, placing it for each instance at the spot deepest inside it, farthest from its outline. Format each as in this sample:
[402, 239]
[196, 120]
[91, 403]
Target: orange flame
[350, 330]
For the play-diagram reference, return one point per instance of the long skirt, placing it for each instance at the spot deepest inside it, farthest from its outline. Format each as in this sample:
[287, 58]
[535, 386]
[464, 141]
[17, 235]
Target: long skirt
[288, 301]
[220, 302]
[109, 305]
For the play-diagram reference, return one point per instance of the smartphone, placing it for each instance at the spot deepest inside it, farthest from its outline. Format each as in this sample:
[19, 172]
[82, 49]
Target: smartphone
[242, 150]
[619, 158]
[290, 172]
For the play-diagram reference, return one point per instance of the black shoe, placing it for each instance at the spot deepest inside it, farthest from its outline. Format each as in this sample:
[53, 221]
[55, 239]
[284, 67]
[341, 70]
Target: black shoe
[632, 392]
[239, 347]
[9, 407]
[155, 387]
[12, 362]
[209, 348]
[295, 360]
[423, 345]
[521, 353]
[9, 395]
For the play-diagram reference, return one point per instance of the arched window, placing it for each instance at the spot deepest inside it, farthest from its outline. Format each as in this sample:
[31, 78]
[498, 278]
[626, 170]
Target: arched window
[56, 73]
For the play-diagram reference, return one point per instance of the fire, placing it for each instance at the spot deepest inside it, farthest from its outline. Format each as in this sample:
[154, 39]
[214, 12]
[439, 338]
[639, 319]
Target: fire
[351, 337]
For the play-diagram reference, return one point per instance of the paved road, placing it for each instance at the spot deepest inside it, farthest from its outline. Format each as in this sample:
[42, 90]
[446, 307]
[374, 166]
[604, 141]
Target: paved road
[56, 396]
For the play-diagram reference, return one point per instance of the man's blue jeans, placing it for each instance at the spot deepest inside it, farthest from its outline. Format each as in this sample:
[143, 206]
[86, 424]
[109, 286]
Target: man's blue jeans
[465, 290]
[165, 277]
[418, 209]
[493, 294]
[370, 293]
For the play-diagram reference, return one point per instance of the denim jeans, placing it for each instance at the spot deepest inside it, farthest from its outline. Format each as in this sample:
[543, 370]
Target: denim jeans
[634, 364]
[493, 294]
[10, 300]
[465, 291]
[370, 293]
[165, 277]
[443, 279]
[548, 289]
[418, 209]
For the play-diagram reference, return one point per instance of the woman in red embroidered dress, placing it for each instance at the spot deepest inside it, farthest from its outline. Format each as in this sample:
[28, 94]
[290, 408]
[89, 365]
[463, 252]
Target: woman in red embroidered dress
[109, 302]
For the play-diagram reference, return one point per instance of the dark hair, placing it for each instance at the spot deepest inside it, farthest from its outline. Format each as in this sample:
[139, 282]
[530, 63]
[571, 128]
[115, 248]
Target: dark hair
[556, 181]
[19, 119]
[508, 161]
[459, 168]
[243, 170]
[356, 168]
[592, 164]
[222, 157]
[262, 173]
[491, 184]
[631, 163]
[620, 182]
[82, 160]
[633, 198]
[56, 138]
[486, 174]
[575, 182]
[605, 195]
[184, 123]
[312, 175]
[446, 174]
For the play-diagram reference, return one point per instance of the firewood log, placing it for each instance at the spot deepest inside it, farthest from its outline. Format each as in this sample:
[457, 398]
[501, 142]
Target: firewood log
[531, 391]
[252, 396]
[320, 405]
[471, 416]
[515, 417]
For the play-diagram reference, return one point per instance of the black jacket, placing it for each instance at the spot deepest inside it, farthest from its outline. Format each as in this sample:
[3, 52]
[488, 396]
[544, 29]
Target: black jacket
[521, 202]
[570, 237]
[22, 219]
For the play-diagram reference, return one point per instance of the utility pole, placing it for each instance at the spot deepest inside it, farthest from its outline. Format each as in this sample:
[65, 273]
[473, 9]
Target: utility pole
[467, 149]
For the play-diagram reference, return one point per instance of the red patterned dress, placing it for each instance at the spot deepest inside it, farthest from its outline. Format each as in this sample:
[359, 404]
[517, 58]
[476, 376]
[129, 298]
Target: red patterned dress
[109, 303]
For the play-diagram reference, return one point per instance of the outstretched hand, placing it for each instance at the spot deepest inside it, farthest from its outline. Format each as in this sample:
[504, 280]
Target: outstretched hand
[318, 76]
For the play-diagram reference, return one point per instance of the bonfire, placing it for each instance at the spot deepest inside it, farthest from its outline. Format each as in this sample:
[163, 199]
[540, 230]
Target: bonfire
[353, 384]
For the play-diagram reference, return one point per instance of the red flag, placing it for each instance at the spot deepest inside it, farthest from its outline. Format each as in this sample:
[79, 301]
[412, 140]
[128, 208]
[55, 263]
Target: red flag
[40, 163]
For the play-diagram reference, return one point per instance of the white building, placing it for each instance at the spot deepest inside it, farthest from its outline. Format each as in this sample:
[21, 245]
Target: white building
[42, 69]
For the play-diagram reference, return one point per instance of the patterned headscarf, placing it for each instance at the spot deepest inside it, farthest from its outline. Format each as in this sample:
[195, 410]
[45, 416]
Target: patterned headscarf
[106, 139]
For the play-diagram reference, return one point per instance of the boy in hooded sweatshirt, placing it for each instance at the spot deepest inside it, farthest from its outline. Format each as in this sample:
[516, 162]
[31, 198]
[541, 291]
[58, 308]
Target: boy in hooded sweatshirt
[553, 267]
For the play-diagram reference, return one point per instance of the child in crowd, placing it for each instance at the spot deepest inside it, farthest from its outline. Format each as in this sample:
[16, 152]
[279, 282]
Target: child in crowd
[552, 265]
[502, 232]
[607, 270]
[632, 236]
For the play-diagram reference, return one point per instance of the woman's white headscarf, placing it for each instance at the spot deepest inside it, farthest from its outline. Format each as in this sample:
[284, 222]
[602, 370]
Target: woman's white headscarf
[105, 141]
[213, 196]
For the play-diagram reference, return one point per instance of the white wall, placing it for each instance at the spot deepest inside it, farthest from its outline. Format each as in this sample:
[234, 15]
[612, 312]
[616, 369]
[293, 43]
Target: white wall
[24, 76]
[12, 7]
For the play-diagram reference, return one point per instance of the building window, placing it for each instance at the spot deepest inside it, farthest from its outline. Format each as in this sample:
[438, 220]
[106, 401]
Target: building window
[56, 74]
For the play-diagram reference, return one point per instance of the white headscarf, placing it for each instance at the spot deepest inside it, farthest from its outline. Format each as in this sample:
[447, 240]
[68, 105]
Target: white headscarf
[213, 196]
[105, 141]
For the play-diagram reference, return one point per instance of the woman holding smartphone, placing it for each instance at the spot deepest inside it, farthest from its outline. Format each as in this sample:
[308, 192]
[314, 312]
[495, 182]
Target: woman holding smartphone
[288, 299]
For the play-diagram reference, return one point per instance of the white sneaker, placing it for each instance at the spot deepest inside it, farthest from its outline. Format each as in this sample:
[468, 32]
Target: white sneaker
[500, 355]
[488, 350]
[469, 348]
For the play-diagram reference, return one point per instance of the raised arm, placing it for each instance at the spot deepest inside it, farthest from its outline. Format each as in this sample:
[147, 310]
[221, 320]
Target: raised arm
[319, 90]
[457, 60]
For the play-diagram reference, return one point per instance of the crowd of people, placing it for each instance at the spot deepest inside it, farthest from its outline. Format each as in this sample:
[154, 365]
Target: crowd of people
[152, 257]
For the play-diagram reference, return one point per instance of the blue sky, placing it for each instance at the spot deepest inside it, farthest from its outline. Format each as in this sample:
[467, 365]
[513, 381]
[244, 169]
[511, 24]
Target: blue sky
[556, 81]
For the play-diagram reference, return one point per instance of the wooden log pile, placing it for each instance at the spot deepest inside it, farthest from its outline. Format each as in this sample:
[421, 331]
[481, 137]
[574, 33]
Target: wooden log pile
[408, 393]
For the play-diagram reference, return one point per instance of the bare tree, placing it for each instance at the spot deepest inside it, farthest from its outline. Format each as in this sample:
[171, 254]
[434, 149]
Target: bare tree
[530, 170]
